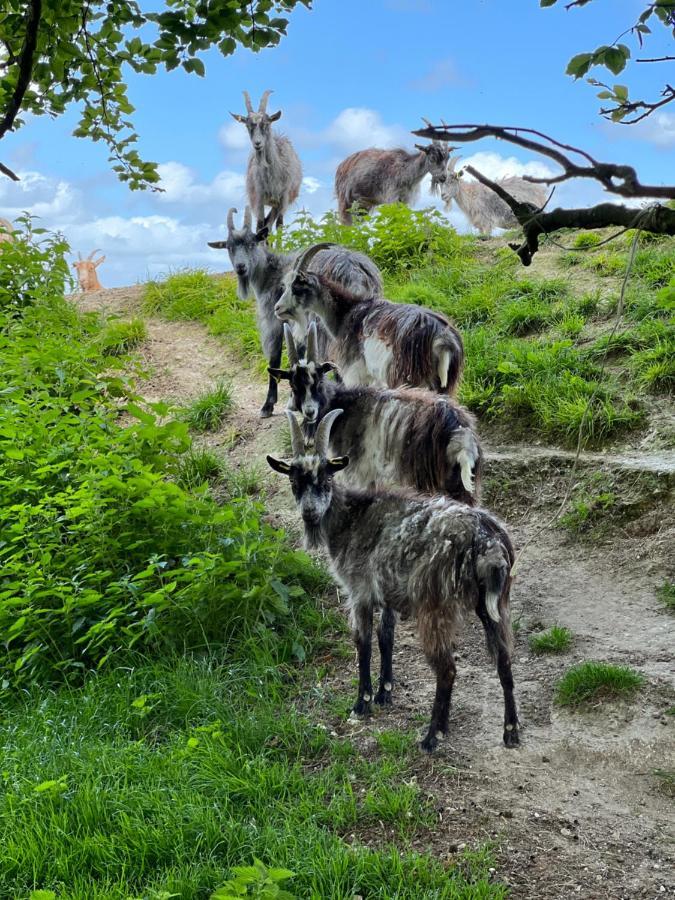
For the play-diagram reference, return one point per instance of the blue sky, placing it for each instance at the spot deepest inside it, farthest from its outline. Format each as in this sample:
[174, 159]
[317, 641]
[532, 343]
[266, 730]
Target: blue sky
[350, 74]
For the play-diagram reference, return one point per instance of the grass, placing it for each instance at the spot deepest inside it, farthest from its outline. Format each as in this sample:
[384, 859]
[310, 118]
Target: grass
[666, 781]
[162, 777]
[666, 594]
[556, 639]
[208, 411]
[198, 467]
[119, 337]
[594, 682]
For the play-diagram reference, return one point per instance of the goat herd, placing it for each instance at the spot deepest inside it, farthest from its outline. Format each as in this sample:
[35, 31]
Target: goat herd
[374, 383]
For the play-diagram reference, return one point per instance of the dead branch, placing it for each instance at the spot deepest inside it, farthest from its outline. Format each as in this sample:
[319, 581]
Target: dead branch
[617, 179]
[25, 67]
[8, 172]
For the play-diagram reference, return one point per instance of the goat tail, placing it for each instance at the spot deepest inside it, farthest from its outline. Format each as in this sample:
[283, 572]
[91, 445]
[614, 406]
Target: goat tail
[494, 590]
[448, 354]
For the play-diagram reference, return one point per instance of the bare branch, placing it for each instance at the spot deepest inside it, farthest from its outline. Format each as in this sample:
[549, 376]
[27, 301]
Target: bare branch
[8, 172]
[657, 59]
[617, 179]
[25, 66]
[668, 94]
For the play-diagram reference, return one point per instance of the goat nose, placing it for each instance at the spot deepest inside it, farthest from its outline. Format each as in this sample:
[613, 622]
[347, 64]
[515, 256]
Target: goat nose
[240, 269]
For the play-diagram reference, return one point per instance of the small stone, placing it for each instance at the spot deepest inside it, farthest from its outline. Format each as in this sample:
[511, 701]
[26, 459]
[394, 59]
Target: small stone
[546, 759]
[565, 832]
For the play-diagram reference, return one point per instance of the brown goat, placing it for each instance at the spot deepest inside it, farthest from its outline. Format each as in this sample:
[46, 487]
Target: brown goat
[86, 272]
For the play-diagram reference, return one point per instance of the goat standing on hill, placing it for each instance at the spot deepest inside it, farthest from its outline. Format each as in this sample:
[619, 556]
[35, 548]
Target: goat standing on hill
[86, 272]
[263, 271]
[430, 558]
[375, 341]
[371, 177]
[411, 438]
[274, 172]
[482, 207]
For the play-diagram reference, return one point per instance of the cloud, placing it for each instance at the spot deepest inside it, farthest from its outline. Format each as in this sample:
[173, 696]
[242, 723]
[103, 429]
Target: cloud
[442, 74]
[181, 186]
[658, 129]
[233, 136]
[494, 166]
[311, 185]
[48, 198]
[358, 127]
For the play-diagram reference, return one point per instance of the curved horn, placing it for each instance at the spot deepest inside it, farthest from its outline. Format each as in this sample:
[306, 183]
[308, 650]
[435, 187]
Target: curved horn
[79, 256]
[247, 101]
[230, 218]
[297, 438]
[263, 101]
[247, 217]
[311, 350]
[290, 345]
[323, 432]
[303, 260]
[92, 253]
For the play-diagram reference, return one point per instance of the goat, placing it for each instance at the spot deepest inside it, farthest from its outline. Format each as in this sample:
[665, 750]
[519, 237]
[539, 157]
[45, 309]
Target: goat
[6, 232]
[375, 341]
[86, 272]
[263, 271]
[371, 177]
[430, 558]
[407, 437]
[274, 172]
[482, 207]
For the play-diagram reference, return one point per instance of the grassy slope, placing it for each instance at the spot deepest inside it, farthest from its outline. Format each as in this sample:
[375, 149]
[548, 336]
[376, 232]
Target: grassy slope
[534, 345]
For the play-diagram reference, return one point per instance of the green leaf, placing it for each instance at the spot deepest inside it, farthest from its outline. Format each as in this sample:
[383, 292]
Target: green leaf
[621, 91]
[614, 59]
[579, 65]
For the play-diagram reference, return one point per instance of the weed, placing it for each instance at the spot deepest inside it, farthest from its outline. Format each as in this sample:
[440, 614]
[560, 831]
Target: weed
[556, 639]
[208, 411]
[607, 264]
[666, 781]
[595, 682]
[197, 467]
[586, 240]
[666, 594]
[119, 337]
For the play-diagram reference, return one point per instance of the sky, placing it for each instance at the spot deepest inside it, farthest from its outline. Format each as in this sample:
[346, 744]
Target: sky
[350, 74]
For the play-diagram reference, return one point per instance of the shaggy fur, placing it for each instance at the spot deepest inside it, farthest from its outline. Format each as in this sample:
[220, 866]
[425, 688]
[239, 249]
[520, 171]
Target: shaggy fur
[371, 177]
[430, 558]
[482, 207]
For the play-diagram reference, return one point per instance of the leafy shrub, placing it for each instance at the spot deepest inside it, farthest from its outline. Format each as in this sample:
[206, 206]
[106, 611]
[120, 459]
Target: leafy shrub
[33, 267]
[594, 681]
[255, 881]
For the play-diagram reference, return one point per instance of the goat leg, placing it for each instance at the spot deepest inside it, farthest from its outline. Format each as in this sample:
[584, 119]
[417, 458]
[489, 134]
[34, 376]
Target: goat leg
[385, 639]
[498, 645]
[272, 389]
[444, 666]
[363, 638]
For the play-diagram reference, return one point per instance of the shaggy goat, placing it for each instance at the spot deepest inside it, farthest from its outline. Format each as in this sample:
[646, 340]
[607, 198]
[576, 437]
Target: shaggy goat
[427, 557]
[274, 172]
[257, 268]
[86, 272]
[375, 341]
[411, 438]
[482, 207]
[371, 177]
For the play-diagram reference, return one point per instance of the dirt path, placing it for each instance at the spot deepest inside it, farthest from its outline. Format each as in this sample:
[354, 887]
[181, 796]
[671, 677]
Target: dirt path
[577, 810]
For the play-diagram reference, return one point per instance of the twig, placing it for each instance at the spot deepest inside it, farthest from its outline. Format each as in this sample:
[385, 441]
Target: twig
[8, 172]
[25, 66]
[657, 59]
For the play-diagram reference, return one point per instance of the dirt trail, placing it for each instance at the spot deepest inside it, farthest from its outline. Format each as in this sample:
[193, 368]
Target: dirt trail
[577, 810]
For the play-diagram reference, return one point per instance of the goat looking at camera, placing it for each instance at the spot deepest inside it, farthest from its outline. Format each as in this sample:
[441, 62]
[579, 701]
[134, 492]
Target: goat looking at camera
[375, 341]
[86, 272]
[410, 438]
[430, 558]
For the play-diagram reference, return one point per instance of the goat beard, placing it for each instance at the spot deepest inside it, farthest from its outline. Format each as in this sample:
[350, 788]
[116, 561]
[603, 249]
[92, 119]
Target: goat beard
[313, 536]
[435, 187]
[242, 287]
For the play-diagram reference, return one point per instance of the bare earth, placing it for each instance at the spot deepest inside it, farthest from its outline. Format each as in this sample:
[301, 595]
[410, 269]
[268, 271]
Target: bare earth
[576, 811]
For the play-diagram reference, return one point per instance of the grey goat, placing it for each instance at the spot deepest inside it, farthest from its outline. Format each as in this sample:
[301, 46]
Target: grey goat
[375, 341]
[371, 177]
[430, 558]
[482, 207]
[410, 438]
[259, 269]
[274, 172]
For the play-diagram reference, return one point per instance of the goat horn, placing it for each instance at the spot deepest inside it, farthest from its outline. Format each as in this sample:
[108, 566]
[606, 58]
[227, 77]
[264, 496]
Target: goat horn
[263, 101]
[290, 345]
[247, 217]
[247, 101]
[79, 256]
[92, 253]
[303, 260]
[230, 218]
[297, 437]
[323, 432]
[311, 351]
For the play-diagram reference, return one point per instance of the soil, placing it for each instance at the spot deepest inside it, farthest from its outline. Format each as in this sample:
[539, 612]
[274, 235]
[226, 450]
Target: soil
[577, 810]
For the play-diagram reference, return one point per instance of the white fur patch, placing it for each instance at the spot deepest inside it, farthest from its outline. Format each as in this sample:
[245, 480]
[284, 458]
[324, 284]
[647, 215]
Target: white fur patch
[387, 685]
[377, 356]
[443, 366]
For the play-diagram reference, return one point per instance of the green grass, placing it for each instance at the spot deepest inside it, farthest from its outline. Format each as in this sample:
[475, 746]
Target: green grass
[666, 781]
[208, 411]
[586, 239]
[163, 777]
[666, 594]
[594, 682]
[556, 639]
[119, 337]
[198, 467]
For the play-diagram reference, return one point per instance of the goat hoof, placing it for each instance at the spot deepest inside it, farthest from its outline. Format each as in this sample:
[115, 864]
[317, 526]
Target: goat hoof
[383, 697]
[266, 412]
[511, 737]
[362, 708]
[429, 743]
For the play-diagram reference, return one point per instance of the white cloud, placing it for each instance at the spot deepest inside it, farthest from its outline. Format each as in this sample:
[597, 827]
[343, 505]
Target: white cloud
[310, 184]
[356, 128]
[49, 198]
[180, 186]
[658, 129]
[233, 136]
[494, 166]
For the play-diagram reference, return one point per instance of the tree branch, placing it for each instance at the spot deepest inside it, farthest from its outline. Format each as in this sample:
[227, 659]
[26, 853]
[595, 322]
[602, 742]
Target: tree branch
[617, 179]
[8, 172]
[657, 59]
[631, 107]
[656, 219]
[25, 66]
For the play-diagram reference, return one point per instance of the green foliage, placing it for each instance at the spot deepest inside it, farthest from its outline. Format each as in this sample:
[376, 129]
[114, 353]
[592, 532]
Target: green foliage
[119, 337]
[556, 639]
[101, 551]
[208, 411]
[177, 772]
[33, 266]
[595, 682]
[586, 240]
[83, 53]
[609, 263]
[255, 881]
[666, 594]
[197, 467]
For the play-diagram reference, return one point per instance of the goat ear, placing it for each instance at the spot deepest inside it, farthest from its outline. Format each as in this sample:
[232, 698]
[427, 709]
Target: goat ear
[262, 234]
[423, 147]
[218, 245]
[239, 118]
[327, 367]
[279, 465]
[337, 463]
[279, 373]
[275, 116]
